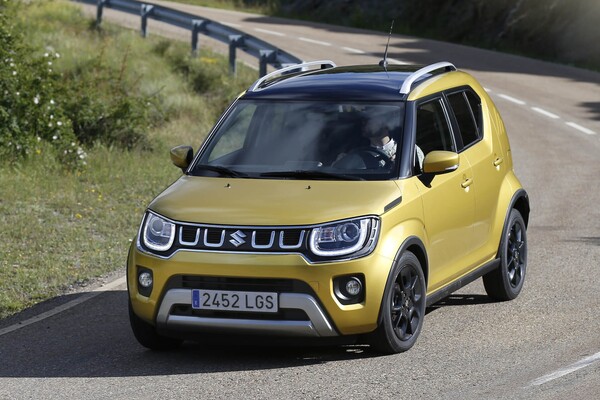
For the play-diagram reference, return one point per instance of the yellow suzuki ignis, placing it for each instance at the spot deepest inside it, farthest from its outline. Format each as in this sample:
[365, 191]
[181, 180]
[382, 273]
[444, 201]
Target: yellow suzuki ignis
[332, 202]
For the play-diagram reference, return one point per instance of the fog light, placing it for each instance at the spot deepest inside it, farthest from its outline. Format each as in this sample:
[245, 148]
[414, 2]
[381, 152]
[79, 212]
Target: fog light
[145, 279]
[353, 287]
[349, 289]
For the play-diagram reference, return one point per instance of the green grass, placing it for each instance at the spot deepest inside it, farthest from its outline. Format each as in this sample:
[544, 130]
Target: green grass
[257, 7]
[63, 228]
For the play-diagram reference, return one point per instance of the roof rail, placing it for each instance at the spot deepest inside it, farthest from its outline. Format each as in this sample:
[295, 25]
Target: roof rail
[323, 64]
[407, 85]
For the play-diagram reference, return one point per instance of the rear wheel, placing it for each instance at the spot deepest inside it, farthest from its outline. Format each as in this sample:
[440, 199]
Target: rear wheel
[506, 282]
[146, 334]
[403, 307]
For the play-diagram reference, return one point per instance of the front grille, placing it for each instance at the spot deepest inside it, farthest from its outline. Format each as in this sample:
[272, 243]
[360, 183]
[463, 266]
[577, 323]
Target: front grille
[283, 314]
[289, 240]
[241, 239]
[239, 284]
[189, 235]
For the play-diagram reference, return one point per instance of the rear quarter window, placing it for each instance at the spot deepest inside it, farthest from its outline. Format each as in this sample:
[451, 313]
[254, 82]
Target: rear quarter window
[467, 110]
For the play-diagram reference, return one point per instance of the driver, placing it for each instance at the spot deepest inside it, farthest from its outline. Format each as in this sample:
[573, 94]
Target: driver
[378, 134]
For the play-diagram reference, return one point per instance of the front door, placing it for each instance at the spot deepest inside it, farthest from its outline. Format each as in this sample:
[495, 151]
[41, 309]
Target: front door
[448, 201]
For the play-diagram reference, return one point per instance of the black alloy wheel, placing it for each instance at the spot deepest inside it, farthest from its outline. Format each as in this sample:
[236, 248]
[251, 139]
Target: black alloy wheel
[506, 282]
[403, 307]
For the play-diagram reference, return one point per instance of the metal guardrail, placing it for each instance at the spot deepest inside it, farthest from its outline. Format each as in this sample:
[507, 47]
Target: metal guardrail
[266, 53]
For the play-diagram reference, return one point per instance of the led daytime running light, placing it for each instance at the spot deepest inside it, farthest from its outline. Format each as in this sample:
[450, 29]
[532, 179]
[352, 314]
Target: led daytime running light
[347, 237]
[158, 233]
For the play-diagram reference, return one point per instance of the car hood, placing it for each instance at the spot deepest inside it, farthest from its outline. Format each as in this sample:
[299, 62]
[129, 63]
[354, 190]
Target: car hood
[272, 202]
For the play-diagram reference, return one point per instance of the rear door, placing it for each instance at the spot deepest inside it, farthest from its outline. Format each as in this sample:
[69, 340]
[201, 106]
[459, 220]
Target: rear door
[482, 150]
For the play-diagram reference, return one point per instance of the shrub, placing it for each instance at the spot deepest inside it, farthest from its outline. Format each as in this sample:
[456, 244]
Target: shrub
[107, 108]
[71, 105]
[31, 109]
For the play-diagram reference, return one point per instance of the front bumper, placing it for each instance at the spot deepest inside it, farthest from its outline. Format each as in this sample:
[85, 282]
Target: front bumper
[308, 305]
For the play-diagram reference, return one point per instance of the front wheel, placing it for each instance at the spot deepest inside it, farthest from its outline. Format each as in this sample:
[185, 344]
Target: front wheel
[403, 307]
[506, 282]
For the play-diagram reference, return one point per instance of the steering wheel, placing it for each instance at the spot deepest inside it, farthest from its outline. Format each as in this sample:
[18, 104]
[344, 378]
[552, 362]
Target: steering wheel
[372, 157]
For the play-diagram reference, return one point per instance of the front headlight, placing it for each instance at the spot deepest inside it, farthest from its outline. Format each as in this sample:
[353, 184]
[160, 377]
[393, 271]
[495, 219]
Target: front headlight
[157, 233]
[351, 237]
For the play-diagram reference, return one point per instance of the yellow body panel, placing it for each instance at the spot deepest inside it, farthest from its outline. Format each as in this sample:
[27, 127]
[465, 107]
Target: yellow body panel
[271, 202]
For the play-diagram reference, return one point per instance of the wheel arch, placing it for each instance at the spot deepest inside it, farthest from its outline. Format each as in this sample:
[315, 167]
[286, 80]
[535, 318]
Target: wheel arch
[520, 202]
[415, 245]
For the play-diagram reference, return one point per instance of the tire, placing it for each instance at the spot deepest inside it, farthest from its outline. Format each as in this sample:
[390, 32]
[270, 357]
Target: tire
[402, 308]
[146, 334]
[505, 282]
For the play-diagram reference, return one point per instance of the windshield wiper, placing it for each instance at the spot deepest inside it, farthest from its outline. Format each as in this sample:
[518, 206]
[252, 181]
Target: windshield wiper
[224, 171]
[310, 174]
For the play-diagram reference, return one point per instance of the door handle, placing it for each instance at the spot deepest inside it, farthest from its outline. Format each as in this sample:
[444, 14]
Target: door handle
[498, 161]
[466, 183]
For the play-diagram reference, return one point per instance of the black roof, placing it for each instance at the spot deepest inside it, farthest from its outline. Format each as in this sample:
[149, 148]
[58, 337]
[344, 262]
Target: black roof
[371, 83]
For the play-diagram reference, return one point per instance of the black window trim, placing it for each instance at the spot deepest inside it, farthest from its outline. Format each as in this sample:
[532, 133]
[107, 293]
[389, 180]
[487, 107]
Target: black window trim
[458, 136]
[411, 136]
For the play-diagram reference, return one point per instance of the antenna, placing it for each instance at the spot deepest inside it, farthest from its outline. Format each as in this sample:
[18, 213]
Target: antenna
[384, 63]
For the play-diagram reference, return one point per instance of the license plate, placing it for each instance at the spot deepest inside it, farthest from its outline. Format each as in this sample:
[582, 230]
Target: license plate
[234, 301]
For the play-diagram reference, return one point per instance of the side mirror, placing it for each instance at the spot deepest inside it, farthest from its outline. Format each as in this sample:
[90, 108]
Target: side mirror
[440, 162]
[182, 156]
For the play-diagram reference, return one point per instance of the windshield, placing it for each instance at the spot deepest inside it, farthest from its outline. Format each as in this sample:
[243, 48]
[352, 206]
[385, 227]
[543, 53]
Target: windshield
[305, 140]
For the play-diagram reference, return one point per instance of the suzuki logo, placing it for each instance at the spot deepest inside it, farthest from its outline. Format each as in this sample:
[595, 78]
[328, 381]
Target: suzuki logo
[237, 238]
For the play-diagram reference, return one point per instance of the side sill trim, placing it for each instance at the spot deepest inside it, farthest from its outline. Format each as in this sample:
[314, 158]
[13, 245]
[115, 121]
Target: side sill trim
[462, 281]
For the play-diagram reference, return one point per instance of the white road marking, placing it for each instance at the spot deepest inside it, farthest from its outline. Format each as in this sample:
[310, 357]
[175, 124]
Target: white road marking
[512, 99]
[230, 24]
[567, 370]
[307, 40]
[355, 51]
[394, 61]
[64, 307]
[544, 112]
[581, 128]
[268, 32]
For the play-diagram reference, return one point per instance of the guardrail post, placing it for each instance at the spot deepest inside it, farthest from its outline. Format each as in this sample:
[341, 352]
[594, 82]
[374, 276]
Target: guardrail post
[99, 10]
[146, 10]
[266, 56]
[198, 26]
[234, 42]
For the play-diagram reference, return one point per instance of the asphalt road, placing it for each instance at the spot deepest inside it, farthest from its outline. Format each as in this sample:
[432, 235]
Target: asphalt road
[543, 345]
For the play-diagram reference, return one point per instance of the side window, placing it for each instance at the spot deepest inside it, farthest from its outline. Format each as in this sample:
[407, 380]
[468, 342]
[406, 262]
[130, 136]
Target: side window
[433, 132]
[475, 103]
[464, 117]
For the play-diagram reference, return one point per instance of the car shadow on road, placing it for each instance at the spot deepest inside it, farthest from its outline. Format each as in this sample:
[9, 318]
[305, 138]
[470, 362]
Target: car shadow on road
[93, 339]
[460, 300]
